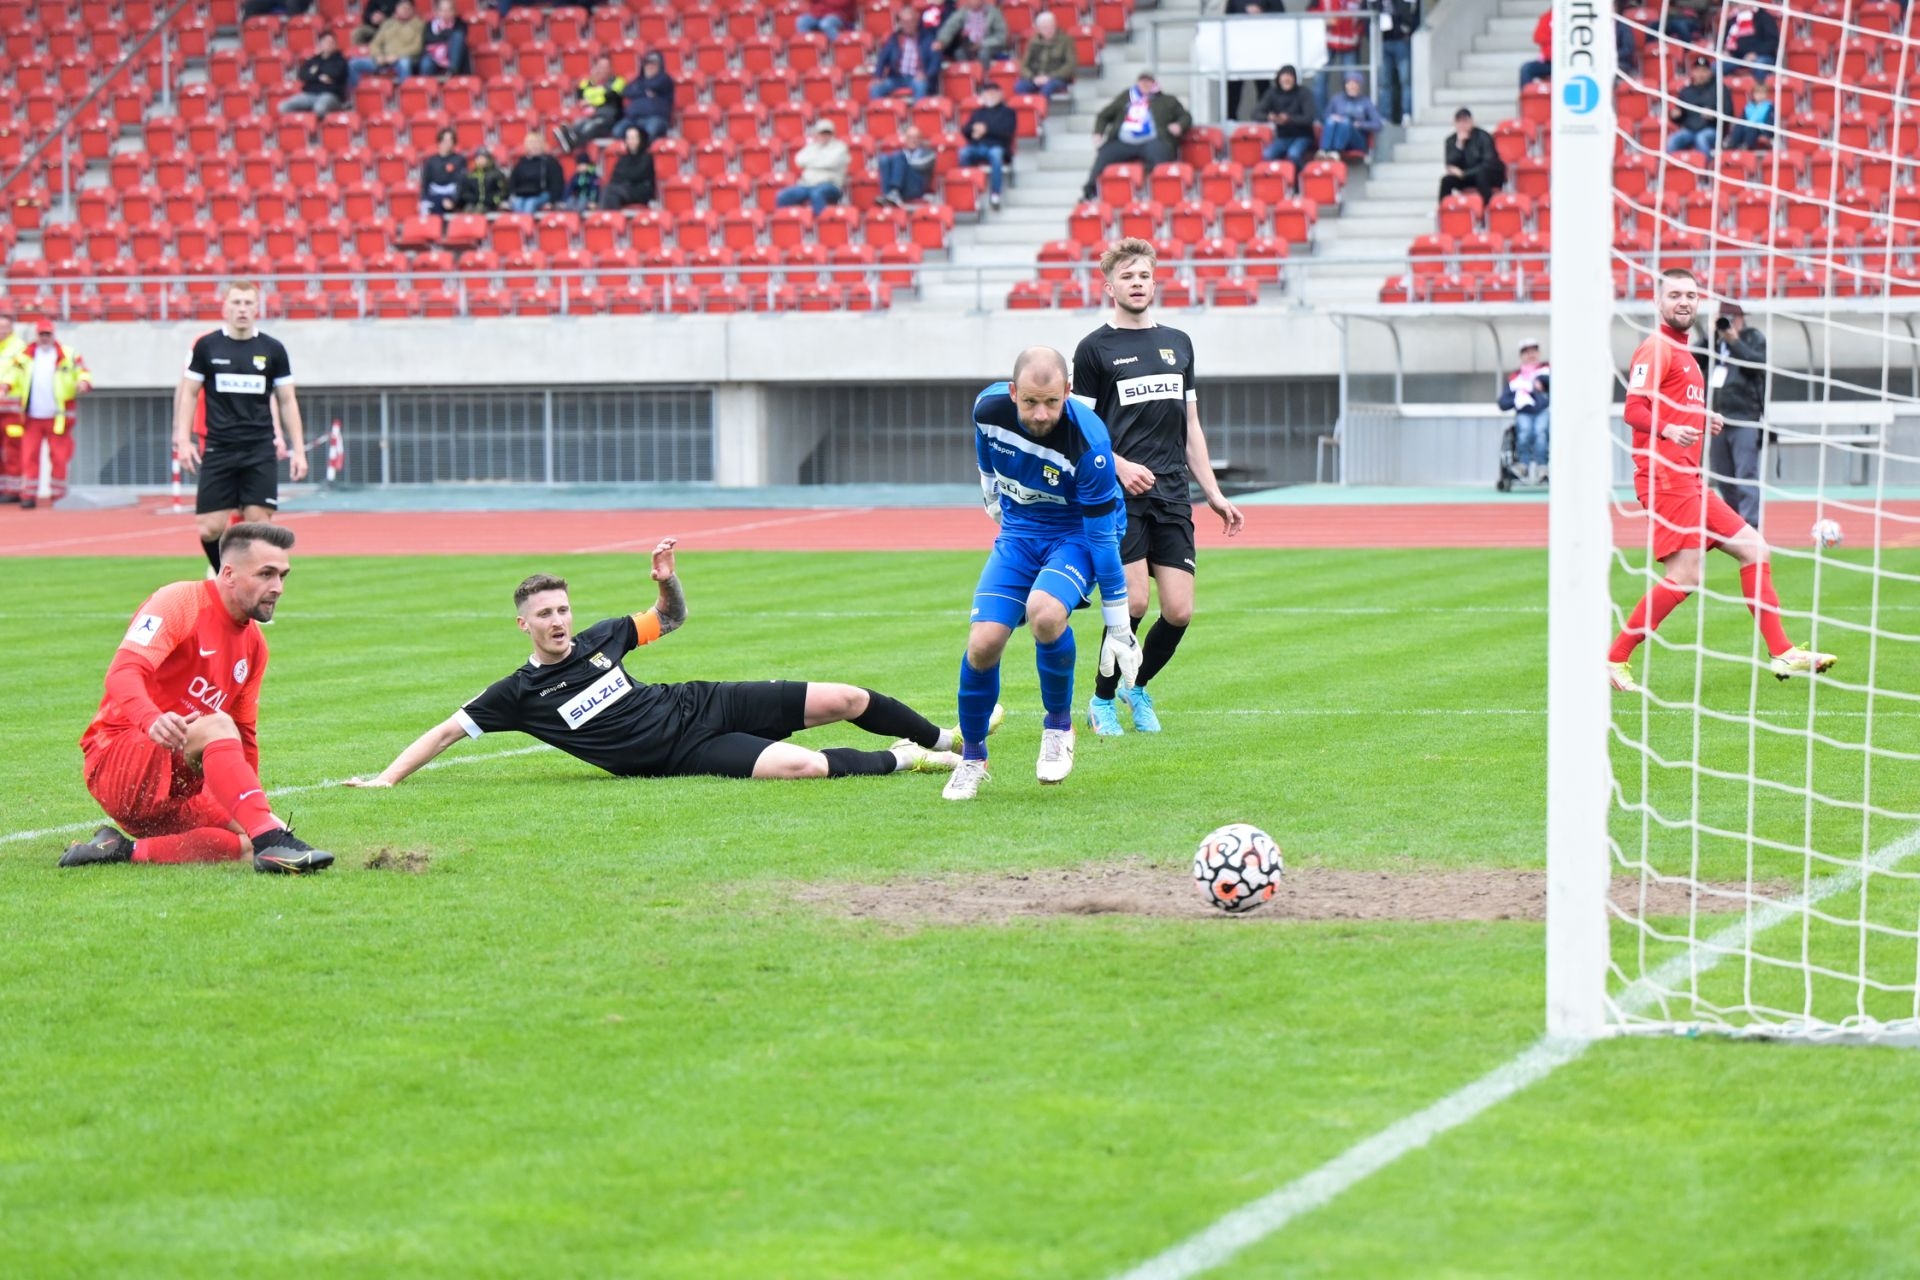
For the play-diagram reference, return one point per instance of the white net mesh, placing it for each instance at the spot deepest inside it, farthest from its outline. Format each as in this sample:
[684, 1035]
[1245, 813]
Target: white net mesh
[1766, 835]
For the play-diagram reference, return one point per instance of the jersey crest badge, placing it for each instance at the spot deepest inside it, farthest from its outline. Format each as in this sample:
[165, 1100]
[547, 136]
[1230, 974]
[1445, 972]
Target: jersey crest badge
[144, 629]
[600, 660]
[1166, 353]
[1052, 474]
[260, 363]
[240, 670]
[1638, 378]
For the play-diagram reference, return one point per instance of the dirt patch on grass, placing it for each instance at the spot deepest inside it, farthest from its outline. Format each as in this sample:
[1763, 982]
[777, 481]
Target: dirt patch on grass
[1137, 887]
[405, 861]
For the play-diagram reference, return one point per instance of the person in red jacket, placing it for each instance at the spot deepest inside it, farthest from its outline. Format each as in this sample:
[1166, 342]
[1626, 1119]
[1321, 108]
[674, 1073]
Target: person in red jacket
[173, 755]
[1540, 68]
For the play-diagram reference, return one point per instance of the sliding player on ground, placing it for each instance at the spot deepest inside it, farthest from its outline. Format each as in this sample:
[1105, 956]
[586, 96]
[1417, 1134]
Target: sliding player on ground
[575, 694]
[172, 755]
[1138, 376]
[1047, 476]
[1667, 410]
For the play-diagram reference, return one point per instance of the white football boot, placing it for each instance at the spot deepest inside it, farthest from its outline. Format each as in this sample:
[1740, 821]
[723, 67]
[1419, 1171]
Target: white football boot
[964, 782]
[1056, 755]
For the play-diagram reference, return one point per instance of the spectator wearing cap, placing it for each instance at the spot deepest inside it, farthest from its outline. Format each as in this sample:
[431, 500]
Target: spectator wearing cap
[1526, 396]
[909, 57]
[1289, 108]
[1702, 103]
[47, 379]
[1755, 130]
[1540, 68]
[1473, 162]
[443, 177]
[976, 31]
[650, 98]
[906, 171]
[444, 47]
[394, 49]
[989, 134]
[1351, 121]
[1051, 61]
[828, 17]
[323, 80]
[1141, 123]
[11, 427]
[823, 165]
[537, 179]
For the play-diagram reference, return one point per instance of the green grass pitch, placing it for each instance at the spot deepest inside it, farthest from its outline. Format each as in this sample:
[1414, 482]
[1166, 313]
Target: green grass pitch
[600, 1037]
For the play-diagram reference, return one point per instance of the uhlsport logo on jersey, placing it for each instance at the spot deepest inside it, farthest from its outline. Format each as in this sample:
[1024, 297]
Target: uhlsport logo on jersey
[595, 698]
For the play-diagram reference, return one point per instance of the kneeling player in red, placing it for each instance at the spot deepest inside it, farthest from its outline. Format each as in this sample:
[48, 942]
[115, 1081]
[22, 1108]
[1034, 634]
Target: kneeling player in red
[575, 694]
[1667, 410]
[171, 755]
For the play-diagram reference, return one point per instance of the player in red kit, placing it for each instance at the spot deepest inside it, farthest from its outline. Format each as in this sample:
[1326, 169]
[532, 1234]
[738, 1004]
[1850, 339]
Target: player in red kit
[1667, 410]
[171, 755]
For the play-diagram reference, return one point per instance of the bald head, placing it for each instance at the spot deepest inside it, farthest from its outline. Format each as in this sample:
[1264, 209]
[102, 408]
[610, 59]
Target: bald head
[1040, 365]
[1040, 389]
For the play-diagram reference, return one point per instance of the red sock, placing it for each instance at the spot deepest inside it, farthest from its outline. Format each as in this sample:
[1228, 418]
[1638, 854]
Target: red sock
[1756, 581]
[1661, 599]
[203, 844]
[237, 787]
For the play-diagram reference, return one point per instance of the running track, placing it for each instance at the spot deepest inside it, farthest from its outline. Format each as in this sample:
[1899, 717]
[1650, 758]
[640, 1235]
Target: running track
[151, 529]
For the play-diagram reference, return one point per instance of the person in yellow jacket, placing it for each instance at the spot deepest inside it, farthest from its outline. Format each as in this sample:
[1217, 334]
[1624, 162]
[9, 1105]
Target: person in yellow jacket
[47, 379]
[11, 428]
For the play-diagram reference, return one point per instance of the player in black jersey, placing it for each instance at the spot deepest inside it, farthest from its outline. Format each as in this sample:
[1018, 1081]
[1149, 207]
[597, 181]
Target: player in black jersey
[1138, 376]
[243, 374]
[575, 694]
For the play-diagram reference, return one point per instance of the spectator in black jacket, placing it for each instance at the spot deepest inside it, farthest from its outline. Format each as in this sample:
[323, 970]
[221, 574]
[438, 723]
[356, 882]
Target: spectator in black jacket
[1473, 163]
[442, 177]
[323, 80]
[1291, 110]
[445, 51]
[650, 98]
[485, 190]
[1753, 41]
[1702, 103]
[989, 133]
[1742, 400]
[372, 14]
[632, 181]
[537, 179]
[1399, 19]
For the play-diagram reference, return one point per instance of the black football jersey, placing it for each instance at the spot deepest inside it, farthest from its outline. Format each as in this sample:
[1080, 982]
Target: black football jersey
[1139, 381]
[237, 379]
[587, 705]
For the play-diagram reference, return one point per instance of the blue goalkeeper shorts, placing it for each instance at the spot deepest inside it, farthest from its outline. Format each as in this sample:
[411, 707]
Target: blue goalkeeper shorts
[1060, 565]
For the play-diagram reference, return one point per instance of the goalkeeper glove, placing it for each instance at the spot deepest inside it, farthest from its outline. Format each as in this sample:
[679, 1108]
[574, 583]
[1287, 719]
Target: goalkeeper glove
[1120, 651]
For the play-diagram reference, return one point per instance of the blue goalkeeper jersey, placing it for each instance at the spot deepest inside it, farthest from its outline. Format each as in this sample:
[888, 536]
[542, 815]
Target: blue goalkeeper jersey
[1063, 482]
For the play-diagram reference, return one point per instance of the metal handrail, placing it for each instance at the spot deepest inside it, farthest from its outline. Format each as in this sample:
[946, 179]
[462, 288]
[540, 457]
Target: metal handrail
[63, 127]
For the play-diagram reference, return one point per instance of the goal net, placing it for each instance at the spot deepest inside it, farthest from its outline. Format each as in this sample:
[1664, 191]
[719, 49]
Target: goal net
[1761, 836]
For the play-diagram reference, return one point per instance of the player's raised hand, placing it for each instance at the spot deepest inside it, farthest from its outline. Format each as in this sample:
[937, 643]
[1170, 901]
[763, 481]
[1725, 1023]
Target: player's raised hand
[1229, 514]
[663, 559]
[1119, 651]
[1134, 478]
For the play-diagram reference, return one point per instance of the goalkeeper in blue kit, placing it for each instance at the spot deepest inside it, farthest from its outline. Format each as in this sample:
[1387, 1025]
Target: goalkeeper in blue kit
[1048, 478]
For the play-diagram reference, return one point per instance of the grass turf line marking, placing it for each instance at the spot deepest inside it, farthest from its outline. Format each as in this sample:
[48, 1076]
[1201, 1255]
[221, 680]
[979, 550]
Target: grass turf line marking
[1255, 1221]
[276, 792]
[169, 531]
[748, 527]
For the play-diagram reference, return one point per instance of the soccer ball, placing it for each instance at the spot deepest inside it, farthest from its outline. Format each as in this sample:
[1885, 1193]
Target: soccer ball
[1826, 533]
[1237, 867]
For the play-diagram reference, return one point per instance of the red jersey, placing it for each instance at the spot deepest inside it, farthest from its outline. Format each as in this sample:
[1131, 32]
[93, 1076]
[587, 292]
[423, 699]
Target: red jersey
[1666, 376]
[183, 653]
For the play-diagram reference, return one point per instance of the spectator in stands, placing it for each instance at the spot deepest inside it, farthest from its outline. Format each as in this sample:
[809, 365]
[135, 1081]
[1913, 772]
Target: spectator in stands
[603, 102]
[537, 179]
[823, 165]
[989, 134]
[445, 51]
[274, 8]
[1051, 61]
[1399, 19]
[486, 186]
[583, 188]
[1473, 163]
[1344, 38]
[1687, 18]
[443, 177]
[1702, 103]
[323, 79]
[650, 99]
[1351, 122]
[976, 31]
[1753, 41]
[1289, 108]
[909, 58]
[1755, 130]
[1739, 396]
[906, 172]
[1626, 39]
[1540, 68]
[372, 16]
[1238, 91]
[632, 181]
[1141, 123]
[1526, 396]
[828, 17]
[395, 48]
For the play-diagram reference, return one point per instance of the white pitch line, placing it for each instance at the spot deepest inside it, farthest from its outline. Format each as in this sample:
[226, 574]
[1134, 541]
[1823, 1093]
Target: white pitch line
[166, 531]
[748, 527]
[276, 792]
[1254, 1222]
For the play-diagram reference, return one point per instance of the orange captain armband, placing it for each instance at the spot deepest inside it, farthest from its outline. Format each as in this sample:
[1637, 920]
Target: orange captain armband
[647, 625]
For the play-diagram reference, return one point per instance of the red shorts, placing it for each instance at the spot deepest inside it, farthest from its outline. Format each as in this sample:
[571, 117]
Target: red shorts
[149, 790]
[1683, 520]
